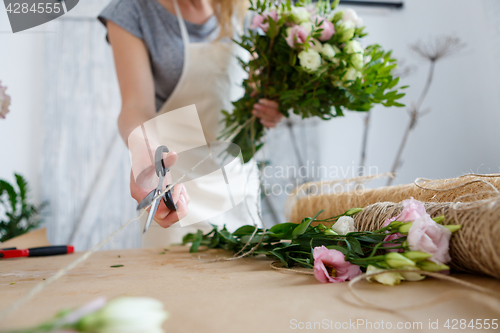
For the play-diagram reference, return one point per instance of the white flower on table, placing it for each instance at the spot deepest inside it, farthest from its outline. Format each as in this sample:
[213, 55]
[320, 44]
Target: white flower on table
[344, 225]
[126, 315]
[388, 278]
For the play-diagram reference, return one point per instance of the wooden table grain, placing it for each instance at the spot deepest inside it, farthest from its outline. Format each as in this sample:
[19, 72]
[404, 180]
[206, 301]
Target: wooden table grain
[239, 296]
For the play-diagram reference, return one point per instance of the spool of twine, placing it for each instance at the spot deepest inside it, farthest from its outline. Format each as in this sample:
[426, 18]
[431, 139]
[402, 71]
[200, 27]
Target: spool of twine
[472, 201]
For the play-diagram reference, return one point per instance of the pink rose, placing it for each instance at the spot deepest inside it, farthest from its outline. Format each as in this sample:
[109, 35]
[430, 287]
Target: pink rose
[413, 209]
[427, 236]
[296, 34]
[327, 26]
[330, 266]
[262, 21]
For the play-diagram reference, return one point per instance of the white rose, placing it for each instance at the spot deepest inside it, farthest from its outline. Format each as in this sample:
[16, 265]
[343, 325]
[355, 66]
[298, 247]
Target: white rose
[351, 74]
[344, 225]
[328, 51]
[353, 46]
[351, 16]
[357, 61]
[317, 45]
[300, 14]
[127, 315]
[308, 26]
[389, 279]
[310, 60]
[345, 31]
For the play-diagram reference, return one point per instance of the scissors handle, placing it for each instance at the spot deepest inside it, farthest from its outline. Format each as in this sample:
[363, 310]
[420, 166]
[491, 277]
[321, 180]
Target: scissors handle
[161, 172]
[159, 164]
[169, 201]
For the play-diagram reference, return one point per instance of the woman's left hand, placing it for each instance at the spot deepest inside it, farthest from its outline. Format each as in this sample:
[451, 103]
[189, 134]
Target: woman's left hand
[267, 111]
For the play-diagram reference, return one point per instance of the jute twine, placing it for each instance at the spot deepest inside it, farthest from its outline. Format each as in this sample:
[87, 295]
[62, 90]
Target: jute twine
[335, 197]
[471, 200]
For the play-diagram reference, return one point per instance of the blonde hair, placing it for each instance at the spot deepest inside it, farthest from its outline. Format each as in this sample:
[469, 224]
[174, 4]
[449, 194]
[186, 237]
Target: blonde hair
[225, 10]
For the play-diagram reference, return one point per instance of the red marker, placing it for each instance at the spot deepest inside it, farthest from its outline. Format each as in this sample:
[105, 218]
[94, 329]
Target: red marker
[37, 251]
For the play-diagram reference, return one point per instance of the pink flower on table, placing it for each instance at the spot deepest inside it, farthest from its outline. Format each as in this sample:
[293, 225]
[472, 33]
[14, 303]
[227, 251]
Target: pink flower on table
[327, 28]
[330, 266]
[262, 21]
[392, 237]
[427, 236]
[296, 34]
[412, 210]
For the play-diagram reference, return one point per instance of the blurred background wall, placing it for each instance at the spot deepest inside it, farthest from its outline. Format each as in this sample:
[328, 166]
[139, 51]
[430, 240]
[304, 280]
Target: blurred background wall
[65, 103]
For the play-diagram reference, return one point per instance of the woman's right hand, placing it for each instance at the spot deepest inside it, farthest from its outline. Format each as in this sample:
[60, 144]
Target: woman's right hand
[144, 183]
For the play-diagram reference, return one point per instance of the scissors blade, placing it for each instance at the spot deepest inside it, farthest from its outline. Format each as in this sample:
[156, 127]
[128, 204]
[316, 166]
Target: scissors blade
[151, 214]
[147, 200]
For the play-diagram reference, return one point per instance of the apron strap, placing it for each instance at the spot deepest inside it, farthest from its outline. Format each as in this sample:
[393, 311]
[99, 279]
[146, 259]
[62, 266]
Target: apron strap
[182, 25]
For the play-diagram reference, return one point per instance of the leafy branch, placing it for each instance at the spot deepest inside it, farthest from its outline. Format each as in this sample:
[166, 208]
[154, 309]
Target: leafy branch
[19, 216]
[293, 243]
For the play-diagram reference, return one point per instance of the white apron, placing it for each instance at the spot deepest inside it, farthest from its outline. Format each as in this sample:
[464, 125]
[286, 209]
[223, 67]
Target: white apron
[210, 80]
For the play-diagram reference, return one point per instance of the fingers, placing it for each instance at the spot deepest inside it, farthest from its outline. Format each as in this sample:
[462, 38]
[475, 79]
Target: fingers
[170, 159]
[174, 217]
[267, 111]
[165, 217]
[137, 192]
[148, 179]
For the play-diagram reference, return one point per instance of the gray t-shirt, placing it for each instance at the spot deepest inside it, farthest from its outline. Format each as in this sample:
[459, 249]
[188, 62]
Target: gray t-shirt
[159, 29]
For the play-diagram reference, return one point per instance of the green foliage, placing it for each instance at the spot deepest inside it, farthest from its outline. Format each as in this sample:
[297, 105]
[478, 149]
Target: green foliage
[275, 73]
[17, 215]
[292, 244]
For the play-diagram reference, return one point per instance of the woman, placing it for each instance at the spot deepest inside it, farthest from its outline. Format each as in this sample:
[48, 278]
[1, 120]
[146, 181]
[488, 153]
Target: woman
[173, 53]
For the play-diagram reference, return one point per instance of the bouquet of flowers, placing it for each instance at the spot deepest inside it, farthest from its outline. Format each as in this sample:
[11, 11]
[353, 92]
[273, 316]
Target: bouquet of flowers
[308, 58]
[412, 242]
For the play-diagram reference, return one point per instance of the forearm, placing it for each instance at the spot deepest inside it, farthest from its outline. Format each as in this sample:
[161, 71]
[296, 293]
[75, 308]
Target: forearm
[130, 118]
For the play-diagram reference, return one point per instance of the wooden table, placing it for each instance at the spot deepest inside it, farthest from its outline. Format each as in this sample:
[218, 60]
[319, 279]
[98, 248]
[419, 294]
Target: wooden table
[237, 296]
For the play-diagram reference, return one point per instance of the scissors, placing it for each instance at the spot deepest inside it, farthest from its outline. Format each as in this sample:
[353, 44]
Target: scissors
[153, 198]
